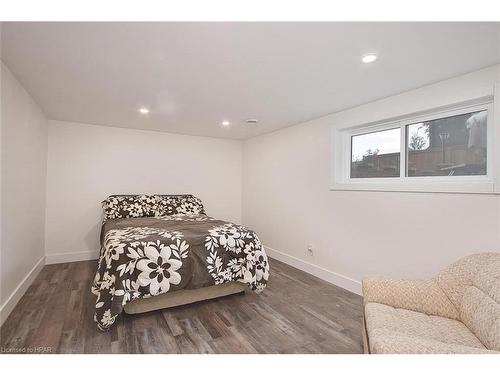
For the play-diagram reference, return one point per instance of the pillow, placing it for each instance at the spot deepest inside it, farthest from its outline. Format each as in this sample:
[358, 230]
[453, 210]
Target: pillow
[125, 206]
[190, 205]
[167, 204]
[178, 204]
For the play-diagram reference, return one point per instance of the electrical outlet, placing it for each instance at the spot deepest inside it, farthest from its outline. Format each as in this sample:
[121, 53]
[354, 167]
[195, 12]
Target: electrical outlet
[310, 250]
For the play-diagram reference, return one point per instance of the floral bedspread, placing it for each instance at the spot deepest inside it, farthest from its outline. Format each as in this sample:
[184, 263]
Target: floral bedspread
[147, 256]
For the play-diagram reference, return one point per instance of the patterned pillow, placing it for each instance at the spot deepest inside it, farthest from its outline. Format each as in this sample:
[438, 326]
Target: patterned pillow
[190, 205]
[178, 204]
[167, 204]
[124, 206]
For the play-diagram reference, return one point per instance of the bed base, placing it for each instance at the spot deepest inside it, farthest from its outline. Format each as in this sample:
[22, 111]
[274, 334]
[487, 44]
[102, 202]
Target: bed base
[183, 297]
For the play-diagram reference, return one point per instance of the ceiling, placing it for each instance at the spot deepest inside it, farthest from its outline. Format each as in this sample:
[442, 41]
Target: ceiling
[192, 76]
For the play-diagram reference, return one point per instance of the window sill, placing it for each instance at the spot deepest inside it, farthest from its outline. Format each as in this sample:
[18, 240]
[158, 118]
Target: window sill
[396, 185]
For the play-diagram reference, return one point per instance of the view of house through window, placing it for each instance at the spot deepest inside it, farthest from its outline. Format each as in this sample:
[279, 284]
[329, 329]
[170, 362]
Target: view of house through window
[451, 146]
[376, 154]
[448, 146]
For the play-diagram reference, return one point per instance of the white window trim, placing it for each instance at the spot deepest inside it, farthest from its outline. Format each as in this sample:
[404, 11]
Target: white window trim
[457, 184]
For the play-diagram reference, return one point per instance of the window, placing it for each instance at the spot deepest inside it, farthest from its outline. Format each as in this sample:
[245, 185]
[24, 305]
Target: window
[450, 146]
[376, 154]
[448, 150]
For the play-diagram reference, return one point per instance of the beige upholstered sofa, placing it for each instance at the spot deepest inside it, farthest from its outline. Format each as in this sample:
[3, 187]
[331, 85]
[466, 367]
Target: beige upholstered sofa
[458, 311]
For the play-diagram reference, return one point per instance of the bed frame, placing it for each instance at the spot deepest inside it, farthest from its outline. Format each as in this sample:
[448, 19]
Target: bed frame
[183, 297]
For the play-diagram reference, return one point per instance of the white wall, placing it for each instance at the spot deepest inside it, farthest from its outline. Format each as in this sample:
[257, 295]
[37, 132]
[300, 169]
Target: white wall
[86, 163]
[24, 155]
[285, 190]
[286, 199]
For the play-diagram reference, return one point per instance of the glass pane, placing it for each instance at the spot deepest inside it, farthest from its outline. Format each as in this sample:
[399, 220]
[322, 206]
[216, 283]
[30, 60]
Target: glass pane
[376, 154]
[451, 146]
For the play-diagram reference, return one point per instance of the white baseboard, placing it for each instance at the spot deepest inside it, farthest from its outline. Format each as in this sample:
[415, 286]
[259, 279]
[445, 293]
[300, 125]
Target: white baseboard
[23, 286]
[71, 257]
[324, 274]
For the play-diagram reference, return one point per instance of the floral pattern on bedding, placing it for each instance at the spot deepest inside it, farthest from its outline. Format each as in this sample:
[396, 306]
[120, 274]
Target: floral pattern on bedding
[124, 206]
[148, 256]
[178, 204]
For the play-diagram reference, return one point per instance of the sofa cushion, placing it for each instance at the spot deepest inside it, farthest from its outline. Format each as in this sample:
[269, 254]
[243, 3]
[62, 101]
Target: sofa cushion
[455, 279]
[480, 309]
[423, 296]
[396, 343]
[384, 323]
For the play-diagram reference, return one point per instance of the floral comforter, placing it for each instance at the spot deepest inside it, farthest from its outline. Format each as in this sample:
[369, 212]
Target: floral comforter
[147, 256]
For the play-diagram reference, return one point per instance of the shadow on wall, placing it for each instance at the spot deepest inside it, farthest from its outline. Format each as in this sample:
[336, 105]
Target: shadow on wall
[91, 238]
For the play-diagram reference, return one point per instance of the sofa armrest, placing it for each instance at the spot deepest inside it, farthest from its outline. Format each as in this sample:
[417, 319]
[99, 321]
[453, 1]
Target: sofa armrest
[424, 296]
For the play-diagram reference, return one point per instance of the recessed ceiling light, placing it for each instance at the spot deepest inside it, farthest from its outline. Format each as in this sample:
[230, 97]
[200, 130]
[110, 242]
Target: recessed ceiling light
[369, 58]
[144, 110]
[225, 123]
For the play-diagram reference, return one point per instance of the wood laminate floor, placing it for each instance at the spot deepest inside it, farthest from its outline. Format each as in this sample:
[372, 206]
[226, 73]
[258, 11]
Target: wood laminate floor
[296, 313]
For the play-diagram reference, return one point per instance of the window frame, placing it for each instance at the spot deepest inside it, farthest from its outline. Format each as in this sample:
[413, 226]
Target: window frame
[467, 184]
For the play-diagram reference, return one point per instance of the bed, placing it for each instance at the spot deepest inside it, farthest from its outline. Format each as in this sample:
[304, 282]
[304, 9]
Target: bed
[160, 251]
